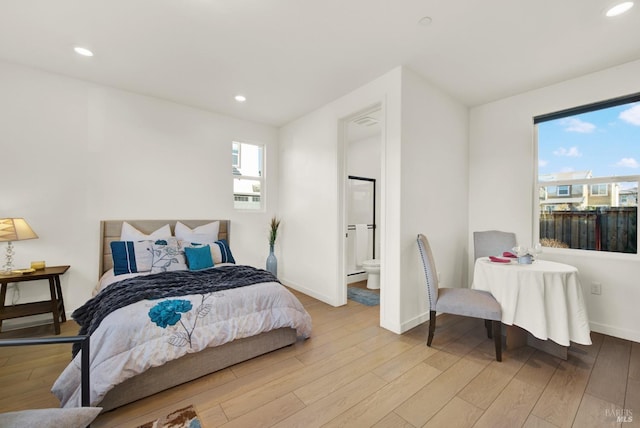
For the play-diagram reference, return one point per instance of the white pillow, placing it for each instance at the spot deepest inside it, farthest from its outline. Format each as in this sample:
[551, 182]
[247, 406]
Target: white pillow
[216, 251]
[205, 234]
[130, 233]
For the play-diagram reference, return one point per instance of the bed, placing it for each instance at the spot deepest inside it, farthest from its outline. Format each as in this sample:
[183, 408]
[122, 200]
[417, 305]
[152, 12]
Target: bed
[232, 313]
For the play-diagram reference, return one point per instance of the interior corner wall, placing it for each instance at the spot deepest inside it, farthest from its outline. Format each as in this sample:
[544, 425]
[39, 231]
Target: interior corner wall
[501, 177]
[310, 190]
[434, 191]
[425, 136]
[75, 153]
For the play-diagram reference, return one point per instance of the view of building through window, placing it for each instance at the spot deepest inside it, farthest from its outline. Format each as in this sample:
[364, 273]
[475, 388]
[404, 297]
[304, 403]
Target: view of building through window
[247, 165]
[588, 173]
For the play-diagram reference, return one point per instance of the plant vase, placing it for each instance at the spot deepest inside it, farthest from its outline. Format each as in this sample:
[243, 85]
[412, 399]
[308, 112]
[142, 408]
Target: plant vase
[272, 262]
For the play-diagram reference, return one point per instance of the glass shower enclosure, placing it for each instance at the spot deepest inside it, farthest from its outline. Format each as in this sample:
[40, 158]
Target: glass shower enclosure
[361, 214]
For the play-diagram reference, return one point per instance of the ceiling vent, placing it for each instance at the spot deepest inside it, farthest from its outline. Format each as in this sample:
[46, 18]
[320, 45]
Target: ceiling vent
[366, 121]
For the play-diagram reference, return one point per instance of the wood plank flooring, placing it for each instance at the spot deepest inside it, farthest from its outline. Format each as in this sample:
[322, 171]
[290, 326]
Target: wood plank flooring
[352, 373]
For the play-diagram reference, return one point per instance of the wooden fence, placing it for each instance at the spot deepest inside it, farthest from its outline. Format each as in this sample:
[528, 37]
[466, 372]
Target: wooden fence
[609, 229]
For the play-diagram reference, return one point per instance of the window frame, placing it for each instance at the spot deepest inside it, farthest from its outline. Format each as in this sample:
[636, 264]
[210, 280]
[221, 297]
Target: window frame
[600, 185]
[537, 184]
[260, 178]
[236, 147]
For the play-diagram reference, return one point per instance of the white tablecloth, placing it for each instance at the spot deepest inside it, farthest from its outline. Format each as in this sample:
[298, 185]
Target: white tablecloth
[545, 298]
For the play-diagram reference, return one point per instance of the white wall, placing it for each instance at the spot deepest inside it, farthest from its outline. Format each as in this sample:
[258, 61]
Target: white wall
[311, 191]
[425, 135]
[501, 174]
[74, 153]
[434, 191]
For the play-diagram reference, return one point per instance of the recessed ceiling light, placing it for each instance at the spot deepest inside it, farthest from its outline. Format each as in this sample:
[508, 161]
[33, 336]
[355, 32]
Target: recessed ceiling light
[240, 98]
[83, 51]
[425, 21]
[619, 8]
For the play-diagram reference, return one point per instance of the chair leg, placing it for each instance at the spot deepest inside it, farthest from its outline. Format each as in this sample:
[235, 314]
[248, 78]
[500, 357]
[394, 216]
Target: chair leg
[432, 326]
[488, 326]
[497, 337]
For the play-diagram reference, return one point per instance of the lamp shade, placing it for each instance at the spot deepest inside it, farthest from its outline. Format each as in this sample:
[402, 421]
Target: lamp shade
[15, 229]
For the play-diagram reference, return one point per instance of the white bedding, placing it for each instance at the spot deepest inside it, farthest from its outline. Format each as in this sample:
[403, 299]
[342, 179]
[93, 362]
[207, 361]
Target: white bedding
[128, 342]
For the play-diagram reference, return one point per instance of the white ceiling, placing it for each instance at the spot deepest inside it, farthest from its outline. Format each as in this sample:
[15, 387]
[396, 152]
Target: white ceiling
[290, 57]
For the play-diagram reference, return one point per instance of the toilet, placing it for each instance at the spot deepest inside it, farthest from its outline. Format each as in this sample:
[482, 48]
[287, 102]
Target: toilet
[372, 267]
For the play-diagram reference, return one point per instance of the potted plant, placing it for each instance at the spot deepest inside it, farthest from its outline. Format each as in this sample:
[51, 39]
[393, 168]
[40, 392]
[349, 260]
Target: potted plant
[272, 262]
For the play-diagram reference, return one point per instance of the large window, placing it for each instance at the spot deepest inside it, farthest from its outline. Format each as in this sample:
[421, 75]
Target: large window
[247, 163]
[588, 174]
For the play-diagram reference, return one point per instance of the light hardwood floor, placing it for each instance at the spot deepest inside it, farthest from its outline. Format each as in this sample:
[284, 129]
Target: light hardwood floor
[353, 373]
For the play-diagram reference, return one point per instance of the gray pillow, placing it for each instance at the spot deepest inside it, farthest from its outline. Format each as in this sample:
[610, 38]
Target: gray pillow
[69, 418]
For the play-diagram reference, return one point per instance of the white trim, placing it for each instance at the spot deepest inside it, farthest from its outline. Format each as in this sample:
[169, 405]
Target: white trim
[582, 181]
[414, 322]
[554, 201]
[261, 179]
[343, 123]
[622, 333]
[309, 292]
[590, 253]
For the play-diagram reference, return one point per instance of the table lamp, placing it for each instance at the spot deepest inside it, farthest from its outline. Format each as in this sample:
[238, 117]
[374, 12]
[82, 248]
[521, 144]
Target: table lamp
[13, 229]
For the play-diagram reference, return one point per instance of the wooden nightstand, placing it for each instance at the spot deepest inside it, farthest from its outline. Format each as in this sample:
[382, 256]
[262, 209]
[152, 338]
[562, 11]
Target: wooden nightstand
[55, 305]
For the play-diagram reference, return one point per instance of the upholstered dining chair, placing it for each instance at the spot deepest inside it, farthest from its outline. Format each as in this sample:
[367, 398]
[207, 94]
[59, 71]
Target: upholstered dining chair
[492, 243]
[458, 301]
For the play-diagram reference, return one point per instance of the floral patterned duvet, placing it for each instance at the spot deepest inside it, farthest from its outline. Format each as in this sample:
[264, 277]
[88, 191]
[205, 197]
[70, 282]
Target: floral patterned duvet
[150, 333]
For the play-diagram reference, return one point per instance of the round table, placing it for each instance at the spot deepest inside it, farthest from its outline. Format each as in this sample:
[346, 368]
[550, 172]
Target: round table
[545, 298]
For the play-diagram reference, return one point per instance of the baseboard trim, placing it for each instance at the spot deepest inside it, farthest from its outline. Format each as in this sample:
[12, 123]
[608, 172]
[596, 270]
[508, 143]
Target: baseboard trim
[621, 333]
[307, 291]
[414, 322]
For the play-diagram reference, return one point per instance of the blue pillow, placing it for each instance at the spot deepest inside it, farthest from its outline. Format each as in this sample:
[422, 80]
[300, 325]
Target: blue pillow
[199, 258]
[227, 257]
[131, 257]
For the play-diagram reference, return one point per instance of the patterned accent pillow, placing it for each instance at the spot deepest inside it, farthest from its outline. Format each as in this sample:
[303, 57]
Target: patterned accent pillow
[225, 252]
[167, 256]
[220, 250]
[131, 257]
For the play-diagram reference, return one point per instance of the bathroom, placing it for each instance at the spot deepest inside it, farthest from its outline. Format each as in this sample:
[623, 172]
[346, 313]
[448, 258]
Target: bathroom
[363, 167]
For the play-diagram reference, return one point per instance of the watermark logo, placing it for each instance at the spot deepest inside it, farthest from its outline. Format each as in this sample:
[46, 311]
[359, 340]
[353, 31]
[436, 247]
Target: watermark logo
[621, 415]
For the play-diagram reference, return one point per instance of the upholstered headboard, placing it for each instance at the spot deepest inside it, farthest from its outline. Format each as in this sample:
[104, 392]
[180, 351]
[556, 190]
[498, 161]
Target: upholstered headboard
[110, 231]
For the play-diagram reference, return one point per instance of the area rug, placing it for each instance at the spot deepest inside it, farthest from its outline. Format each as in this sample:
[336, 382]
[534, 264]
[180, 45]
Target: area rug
[361, 295]
[181, 418]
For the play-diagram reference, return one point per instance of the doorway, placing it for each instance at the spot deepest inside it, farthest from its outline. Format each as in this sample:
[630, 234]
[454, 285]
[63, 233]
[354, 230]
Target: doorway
[361, 208]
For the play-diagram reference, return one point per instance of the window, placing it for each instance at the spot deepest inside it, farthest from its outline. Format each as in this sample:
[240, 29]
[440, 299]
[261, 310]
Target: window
[588, 175]
[235, 155]
[247, 164]
[599, 190]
